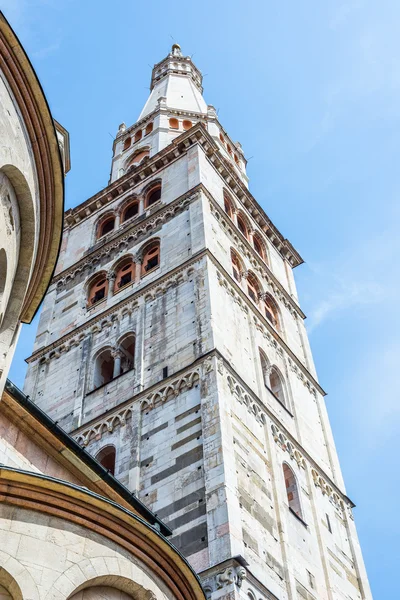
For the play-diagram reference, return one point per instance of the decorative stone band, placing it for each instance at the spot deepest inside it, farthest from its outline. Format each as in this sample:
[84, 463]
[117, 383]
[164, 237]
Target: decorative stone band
[196, 135]
[75, 504]
[186, 379]
[129, 234]
[243, 247]
[115, 313]
[159, 395]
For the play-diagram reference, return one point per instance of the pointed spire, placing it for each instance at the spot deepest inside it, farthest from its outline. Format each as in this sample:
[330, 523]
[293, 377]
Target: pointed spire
[176, 81]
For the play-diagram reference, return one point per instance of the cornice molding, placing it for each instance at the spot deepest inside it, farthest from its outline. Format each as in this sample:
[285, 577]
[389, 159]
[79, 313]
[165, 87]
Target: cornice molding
[188, 377]
[179, 146]
[108, 316]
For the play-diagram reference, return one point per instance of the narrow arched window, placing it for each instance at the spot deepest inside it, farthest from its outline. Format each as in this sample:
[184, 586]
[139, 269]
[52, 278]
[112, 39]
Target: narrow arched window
[276, 385]
[132, 210]
[103, 369]
[228, 206]
[236, 159]
[151, 258]
[106, 457]
[125, 274]
[153, 196]
[174, 123]
[242, 226]
[271, 312]
[106, 226]
[253, 289]
[97, 290]
[127, 347]
[292, 491]
[258, 246]
[229, 149]
[221, 137]
[187, 125]
[127, 143]
[149, 129]
[236, 266]
[138, 136]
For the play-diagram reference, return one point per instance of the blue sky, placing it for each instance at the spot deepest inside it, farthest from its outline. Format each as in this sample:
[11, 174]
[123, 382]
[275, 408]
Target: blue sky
[312, 91]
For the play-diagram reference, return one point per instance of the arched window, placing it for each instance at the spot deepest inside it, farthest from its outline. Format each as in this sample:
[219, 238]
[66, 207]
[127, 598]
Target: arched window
[138, 136]
[236, 266]
[125, 274]
[229, 149]
[253, 289]
[106, 226]
[127, 143]
[242, 226]
[236, 159]
[276, 385]
[149, 129]
[127, 347]
[132, 210]
[228, 206]
[106, 457]
[174, 123]
[151, 258]
[292, 490]
[153, 196]
[137, 158]
[98, 290]
[187, 125]
[103, 368]
[258, 246]
[221, 137]
[271, 312]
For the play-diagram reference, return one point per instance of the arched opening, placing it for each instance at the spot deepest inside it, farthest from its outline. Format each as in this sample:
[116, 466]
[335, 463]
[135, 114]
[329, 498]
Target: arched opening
[127, 143]
[253, 288]
[236, 266]
[138, 136]
[106, 226]
[153, 196]
[292, 490]
[275, 385]
[221, 137]
[127, 347]
[149, 129]
[271, 312]
[242, 226]
[236, 159]
[106, 457]
[174, 123]
[229, 149]
[137, 158]
[151, 258]
[258, 246]
[125, 274]
[98, 290]
[228, 207]
[187, 125]
[132, 210]
[103, 369]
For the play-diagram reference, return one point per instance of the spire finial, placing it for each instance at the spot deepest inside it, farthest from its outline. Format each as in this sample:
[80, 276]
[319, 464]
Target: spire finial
[176, 50]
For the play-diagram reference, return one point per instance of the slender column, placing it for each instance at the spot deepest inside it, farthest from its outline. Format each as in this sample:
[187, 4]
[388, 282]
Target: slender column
[117, 355]
[117, 220]
[141, 205]
[111, 284]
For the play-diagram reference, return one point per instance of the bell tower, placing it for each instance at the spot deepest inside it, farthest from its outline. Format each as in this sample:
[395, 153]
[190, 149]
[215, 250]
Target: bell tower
[172, 346]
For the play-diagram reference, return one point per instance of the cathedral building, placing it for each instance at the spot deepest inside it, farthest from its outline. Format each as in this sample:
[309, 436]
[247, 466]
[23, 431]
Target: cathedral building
[172, 348]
